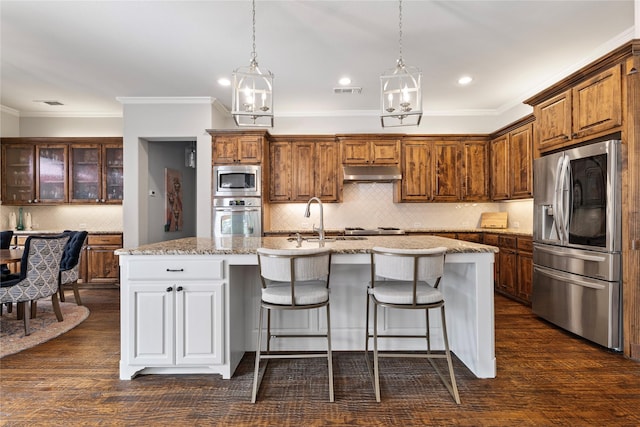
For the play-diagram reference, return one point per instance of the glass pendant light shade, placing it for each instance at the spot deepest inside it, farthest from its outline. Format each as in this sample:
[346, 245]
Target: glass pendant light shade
[252, 99]
[401, 91]
[252, 96]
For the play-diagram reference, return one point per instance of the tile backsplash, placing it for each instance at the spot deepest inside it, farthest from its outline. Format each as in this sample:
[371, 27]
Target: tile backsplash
[57, 218]
[371, 205]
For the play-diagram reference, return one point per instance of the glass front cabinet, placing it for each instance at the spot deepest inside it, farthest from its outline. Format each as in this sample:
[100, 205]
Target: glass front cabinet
[96, 174]
[18, 178]
[78, 172]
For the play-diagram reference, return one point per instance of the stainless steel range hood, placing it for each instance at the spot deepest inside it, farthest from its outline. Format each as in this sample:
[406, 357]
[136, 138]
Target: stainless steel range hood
[371, 173]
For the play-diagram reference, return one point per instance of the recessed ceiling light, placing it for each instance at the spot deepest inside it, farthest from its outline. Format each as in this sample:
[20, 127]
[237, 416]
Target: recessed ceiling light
[344, 81]
[224, 82]
[464, 80]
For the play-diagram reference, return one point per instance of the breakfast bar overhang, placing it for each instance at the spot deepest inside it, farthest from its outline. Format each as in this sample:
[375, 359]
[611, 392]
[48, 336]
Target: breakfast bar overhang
[190, 305]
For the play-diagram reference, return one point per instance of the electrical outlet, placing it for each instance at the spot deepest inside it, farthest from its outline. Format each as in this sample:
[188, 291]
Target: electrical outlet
[465, 223]
[417, 224]
[82, 226]
[516, 224]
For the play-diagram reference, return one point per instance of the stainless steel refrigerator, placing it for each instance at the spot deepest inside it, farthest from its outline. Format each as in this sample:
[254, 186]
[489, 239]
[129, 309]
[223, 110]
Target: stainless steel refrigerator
[577, 241]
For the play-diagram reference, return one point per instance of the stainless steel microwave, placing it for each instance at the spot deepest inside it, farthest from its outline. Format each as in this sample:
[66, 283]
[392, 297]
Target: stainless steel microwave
[237, 181]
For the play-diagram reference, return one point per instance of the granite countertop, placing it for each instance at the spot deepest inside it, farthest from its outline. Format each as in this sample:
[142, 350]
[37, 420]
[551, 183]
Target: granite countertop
[241, 245]
[45, 232]
[512, 231]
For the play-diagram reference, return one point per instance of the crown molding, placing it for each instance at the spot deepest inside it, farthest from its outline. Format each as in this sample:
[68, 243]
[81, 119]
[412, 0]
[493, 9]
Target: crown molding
[8, 110]
[165, 99]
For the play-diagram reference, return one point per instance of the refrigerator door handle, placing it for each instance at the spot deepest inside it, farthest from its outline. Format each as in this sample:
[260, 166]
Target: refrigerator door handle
[583, 257]
[566, 279]
[557, 204]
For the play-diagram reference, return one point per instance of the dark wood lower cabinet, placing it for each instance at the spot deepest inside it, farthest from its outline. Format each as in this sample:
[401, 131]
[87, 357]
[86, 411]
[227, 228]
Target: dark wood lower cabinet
[513, 266]
[101, 265]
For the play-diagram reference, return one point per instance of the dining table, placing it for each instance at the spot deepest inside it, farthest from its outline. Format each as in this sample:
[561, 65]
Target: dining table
[8, 256]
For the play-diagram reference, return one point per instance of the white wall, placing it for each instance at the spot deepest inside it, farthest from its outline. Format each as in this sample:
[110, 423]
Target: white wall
[70, 126]
[162, 155]
[9, 123]
[472, 123]
[164, 119]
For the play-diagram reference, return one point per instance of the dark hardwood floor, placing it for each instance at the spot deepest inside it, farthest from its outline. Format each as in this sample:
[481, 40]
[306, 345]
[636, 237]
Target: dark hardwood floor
[546, 377]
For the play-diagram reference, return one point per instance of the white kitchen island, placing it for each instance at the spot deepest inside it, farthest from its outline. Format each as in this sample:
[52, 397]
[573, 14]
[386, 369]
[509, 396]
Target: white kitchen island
[190, 305]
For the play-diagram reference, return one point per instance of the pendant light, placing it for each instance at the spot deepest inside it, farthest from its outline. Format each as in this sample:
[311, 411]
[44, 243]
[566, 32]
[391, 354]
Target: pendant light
[252, 103]
[401, 92]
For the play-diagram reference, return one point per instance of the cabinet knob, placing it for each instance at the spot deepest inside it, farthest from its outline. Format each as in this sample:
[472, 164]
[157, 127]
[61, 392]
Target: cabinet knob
[179, 288]
[169, 289]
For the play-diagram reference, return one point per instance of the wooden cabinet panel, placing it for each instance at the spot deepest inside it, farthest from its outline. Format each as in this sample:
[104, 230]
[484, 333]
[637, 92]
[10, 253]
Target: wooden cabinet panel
[303, 160]
[101, 262]
[512, 164]
[364, 150]
[416, 178]
[250, 149]
[447, 165]
[499, 168]
[525, 269]
[475, 171]
[303, 167]
[225, 149]
[513, 273]
[280, 172]
[385, 151]
[470, 237]
[553, 121]
[237, 148]
[328, 177]
[597, 103]
[355, 152]
[589, 108]
[521, 162]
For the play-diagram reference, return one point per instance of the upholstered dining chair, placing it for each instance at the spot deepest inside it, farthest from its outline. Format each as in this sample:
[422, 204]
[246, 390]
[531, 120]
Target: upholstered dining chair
[5, 243]
[293, 280]
[38, 278]
[70, 264]
[407, 279]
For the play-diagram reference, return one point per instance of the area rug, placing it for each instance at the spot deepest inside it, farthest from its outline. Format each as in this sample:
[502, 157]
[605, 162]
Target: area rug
[43, 328]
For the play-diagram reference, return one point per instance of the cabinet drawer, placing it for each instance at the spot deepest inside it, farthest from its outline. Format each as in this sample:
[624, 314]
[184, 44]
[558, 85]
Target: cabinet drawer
[507, 242]
[104, 239]
[491, 239]
[525, 244]
[176, 269]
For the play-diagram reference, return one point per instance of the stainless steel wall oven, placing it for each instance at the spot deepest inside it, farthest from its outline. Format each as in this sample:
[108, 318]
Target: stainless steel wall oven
[577, 241]
[237, 217]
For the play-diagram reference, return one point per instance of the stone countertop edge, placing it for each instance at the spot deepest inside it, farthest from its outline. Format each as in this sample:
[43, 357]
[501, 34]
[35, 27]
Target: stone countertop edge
[249, 245]
[510, 231]
[45, 232]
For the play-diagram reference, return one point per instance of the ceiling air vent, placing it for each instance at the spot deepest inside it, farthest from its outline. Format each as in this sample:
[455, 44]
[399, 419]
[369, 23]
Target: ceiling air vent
[348, 90]
[48, 102]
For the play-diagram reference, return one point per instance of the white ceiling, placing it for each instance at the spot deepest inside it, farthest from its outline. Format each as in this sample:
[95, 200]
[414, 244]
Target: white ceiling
[85, 54]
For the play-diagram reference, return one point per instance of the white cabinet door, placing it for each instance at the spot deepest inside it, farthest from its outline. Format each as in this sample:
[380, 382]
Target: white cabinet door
[199, 323]
[151, 312]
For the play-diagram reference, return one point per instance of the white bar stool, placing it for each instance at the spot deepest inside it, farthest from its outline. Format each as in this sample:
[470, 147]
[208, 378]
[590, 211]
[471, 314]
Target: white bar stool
[293, 280]
[407, 279]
